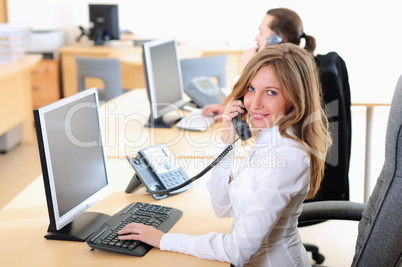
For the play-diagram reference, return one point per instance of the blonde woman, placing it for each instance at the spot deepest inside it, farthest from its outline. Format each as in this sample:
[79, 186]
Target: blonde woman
[282, 104]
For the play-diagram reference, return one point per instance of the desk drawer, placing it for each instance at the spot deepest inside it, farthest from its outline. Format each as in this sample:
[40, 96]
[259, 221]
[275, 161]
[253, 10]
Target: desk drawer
[45, 83]
[44, 93]
[47, 69]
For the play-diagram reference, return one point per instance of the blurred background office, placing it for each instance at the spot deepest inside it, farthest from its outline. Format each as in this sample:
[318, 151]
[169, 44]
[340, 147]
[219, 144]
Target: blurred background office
[364, 33]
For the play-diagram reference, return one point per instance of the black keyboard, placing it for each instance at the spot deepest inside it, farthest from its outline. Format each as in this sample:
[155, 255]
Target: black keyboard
[159, 217]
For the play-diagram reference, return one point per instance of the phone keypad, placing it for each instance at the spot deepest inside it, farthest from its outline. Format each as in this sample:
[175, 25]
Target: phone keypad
[173, 178]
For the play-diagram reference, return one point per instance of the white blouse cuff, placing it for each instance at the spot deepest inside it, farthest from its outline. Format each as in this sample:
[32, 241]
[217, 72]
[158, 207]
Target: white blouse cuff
[176, 242]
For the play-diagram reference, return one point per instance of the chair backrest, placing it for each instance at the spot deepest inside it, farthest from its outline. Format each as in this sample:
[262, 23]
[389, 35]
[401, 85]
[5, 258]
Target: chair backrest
[379, 241]
[214, 66]
[336, 96]
[106, 69]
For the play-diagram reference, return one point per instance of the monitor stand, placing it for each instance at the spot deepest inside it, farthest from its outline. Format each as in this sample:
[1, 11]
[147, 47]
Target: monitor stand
[190, 104]
[98, 37]
[80, 228]
[162, 122]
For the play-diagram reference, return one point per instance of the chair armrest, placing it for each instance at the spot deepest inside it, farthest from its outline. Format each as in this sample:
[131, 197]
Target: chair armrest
[331, 210]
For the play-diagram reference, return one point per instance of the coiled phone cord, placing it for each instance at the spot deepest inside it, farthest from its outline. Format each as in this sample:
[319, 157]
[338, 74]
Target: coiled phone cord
[202, 173]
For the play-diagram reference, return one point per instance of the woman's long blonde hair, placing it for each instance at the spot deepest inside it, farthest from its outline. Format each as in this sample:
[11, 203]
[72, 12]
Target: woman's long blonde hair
[297, 74]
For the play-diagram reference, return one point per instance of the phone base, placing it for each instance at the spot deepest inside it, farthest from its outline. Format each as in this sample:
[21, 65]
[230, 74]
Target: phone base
[134, 184]
[155, 196]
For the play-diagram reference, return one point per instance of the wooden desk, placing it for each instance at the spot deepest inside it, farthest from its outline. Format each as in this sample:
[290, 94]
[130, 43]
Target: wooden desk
[24, 222]
[123, 127]
[16, 95]
[131, 63]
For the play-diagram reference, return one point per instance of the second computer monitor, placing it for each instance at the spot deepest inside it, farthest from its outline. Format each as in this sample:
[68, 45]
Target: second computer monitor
[105, 23]
[164, 81]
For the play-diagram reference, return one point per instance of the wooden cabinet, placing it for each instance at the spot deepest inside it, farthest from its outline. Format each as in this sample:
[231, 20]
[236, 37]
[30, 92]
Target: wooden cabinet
[45, 83]
[16, 96]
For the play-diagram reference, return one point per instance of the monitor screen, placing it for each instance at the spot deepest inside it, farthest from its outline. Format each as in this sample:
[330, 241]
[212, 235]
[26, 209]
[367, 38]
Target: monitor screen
[163, 77]
[105, 23]
[72, 156]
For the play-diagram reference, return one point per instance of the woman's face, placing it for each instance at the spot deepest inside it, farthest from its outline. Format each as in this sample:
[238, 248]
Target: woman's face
[264, 99]
[264, 31]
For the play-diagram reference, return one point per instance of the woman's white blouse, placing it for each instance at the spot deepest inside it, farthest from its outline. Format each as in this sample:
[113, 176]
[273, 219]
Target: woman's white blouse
[265, 200]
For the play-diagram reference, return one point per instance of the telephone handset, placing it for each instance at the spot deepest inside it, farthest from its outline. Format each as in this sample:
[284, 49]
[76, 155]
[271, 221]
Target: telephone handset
[273, 39]
[157, 168]
[241, 126]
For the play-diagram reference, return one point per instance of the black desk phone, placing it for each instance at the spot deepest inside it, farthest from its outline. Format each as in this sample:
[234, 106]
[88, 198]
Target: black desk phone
[157, 168]
[203, 91]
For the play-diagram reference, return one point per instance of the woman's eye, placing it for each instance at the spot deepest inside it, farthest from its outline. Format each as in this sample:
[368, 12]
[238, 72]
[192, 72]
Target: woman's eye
[270, 92]
[250, 89]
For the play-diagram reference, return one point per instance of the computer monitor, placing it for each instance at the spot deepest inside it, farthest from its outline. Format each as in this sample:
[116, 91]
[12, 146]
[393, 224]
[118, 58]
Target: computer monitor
[105, 23]
[73, 164]
[164, 81]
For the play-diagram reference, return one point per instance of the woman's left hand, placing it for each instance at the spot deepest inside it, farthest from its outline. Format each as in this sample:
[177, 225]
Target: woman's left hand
[141, 232]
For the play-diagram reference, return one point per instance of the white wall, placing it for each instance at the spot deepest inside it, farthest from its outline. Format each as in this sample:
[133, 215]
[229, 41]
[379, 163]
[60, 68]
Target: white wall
[367, 34]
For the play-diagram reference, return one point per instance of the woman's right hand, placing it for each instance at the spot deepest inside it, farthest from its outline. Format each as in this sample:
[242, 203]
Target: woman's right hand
[233, 108]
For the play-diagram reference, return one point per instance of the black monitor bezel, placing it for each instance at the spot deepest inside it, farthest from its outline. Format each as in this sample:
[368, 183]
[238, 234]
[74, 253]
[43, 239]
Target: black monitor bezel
[57, 222]
[112, 25]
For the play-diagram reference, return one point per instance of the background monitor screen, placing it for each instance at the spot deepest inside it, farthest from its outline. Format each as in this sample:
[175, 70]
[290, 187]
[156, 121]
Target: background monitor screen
[164, 81]
[105, 22]
[72, 157]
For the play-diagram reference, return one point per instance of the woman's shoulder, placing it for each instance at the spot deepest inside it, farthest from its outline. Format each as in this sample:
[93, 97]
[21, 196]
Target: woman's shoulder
[283, 164]
[291, 148]
[273, 140]
[286, 148]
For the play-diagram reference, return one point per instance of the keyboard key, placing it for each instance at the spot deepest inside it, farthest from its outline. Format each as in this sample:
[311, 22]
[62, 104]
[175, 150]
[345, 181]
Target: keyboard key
[134, 244]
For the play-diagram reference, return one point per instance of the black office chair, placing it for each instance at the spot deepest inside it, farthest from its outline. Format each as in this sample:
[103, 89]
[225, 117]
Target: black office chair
[379, 240]
[336, 97]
